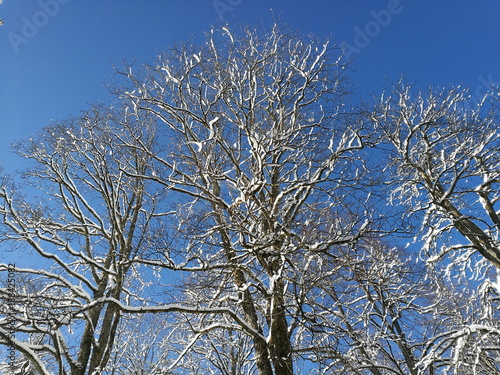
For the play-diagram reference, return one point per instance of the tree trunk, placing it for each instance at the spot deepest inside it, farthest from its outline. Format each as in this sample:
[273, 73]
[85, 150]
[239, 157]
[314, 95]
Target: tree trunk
[280, 346]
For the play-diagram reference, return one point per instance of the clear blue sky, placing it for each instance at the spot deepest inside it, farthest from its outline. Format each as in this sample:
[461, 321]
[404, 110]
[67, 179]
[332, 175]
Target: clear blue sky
[55, 55]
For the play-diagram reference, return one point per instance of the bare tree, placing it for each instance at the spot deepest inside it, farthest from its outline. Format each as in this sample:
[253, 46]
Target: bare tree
[266, 166]
[368, 315]
[85, 215]
[219, 217]
[467, 332]
[443, 151]
[444, 154]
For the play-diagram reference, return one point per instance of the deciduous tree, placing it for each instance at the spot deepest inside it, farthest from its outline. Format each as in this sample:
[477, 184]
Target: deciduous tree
[443, 151]
[268, 171]
[83, 210]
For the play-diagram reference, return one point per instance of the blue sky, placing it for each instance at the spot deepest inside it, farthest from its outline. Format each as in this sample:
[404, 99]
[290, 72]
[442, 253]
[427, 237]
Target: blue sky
[55, 55]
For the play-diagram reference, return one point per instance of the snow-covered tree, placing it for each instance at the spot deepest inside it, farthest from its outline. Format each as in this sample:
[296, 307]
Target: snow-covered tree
[367, 317]
[444, 159]
[223, 216]
[445, 162]
[266, 165]
[81, 214]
